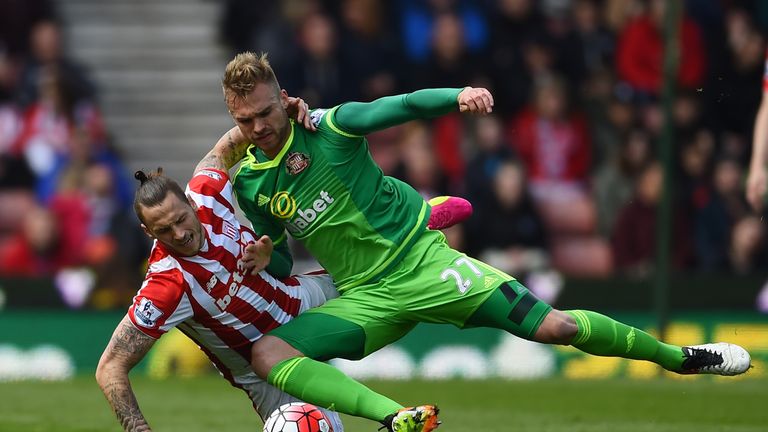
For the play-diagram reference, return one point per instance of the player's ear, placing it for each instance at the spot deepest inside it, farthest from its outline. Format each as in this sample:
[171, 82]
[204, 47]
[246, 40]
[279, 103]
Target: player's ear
[147, 232]
[192, 203]
[284, 98]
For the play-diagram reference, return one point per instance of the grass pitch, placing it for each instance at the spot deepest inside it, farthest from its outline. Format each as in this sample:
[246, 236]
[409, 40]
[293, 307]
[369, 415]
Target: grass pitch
[556, 405]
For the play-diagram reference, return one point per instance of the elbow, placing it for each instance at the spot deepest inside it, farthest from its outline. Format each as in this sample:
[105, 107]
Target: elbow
[105, 371]
[101, 373]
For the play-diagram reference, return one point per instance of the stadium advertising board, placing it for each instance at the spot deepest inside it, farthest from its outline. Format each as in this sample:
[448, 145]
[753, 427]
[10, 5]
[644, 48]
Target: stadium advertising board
[60, 344]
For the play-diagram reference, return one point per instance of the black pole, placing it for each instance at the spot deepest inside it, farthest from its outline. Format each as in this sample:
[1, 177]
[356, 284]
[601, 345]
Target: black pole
[666, 144]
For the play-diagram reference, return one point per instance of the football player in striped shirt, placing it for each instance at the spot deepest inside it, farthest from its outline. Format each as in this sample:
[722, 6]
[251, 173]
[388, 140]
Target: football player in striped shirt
[197, 282]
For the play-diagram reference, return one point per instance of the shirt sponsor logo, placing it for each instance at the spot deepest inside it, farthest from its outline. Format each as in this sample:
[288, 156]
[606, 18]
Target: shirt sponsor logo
[282, 205]
[146, 313]
[296, 162]
[235, 286]
[306, 216]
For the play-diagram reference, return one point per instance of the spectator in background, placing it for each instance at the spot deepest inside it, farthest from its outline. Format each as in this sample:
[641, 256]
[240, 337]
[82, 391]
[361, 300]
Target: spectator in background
[596, 44]
[49, 124]
[640, 51]
[419, 167]
[733, 93]
[84, 152]
[634, 235]
[748, 250]
[693, 183]
[614, 182]
[16, 23]
[369, 48]
[492, 150]
[317, 74]
[552, 142]
[14, 170]
[507, 231]
[47, 54]
[580, 43]
[611, 114]
[418, 18]
[450, 63]
[39, 249]
[512, 25]
[714, 222]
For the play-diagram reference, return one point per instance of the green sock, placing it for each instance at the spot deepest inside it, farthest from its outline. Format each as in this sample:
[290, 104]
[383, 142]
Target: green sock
[603, 336]
[327, 387]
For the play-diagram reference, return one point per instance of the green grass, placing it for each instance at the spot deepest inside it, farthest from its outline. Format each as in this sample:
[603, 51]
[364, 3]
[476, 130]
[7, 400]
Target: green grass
[209, 404]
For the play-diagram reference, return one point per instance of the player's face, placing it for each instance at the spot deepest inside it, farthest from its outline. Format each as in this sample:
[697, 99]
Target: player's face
[261, 117]
[174, 223]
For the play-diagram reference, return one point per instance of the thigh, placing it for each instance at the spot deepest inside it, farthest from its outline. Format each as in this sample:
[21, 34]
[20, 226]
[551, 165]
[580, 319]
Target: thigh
[315, 290]
[513, 308]
[442, 285]
[351, 326]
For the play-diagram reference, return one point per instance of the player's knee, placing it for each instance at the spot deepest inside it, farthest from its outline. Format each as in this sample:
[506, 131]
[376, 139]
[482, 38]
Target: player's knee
[269, 351]
[558, 328]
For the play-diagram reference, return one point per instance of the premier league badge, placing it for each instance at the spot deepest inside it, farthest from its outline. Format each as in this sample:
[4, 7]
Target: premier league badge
[296, 162]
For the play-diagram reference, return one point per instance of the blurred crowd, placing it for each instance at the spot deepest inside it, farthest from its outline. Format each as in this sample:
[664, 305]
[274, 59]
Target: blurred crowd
[564, 176]
[64, 191]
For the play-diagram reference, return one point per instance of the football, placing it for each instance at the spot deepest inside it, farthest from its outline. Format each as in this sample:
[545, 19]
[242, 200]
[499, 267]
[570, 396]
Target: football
[297, 417]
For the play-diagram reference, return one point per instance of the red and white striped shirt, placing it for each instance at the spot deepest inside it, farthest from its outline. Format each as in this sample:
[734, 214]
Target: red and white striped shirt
[207, 296]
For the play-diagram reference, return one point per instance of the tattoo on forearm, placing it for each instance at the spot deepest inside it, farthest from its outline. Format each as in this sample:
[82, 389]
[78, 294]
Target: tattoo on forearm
[123, 401]
[126, 348]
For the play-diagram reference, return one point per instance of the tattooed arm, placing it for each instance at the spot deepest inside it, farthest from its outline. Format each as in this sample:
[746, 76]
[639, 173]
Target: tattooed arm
[226, 153]
[126, 348]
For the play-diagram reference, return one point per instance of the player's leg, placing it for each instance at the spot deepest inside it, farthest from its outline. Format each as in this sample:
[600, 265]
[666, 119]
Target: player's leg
[346, 327]
[515, 309]
[600, 335]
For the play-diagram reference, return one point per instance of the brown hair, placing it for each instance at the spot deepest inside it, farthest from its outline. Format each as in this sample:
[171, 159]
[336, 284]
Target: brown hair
[245, 71]
[153, 189]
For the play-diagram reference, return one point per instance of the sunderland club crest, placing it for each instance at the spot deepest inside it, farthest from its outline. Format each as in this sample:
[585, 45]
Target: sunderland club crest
[296, 162]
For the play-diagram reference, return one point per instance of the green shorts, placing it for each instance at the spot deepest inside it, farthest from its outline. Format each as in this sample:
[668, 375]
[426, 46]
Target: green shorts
[434, 284]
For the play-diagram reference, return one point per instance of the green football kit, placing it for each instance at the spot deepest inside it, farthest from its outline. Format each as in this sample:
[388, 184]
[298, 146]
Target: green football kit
[369, 232]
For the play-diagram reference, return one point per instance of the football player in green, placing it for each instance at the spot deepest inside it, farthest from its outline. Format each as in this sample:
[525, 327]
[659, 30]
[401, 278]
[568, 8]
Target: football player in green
[370, 232]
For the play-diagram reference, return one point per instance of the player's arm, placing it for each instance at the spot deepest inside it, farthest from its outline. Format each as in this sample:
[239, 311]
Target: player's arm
[362, 118]
[126, 348]
[756, 181]
[231, 147]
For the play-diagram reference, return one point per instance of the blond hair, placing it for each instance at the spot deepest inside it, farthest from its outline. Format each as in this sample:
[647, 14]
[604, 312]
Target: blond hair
[244, 72]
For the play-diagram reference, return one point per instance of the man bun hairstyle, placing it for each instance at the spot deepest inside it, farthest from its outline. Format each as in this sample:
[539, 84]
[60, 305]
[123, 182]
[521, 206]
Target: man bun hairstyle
[153, 189]
[244, 72]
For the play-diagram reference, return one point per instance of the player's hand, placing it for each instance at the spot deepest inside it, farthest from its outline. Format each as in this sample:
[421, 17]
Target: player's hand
[256, 256]
[475, 101]
[756, 188]
[299, 111]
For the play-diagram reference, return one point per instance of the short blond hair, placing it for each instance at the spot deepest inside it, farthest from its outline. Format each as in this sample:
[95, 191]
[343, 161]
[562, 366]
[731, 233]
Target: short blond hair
[245, 71]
